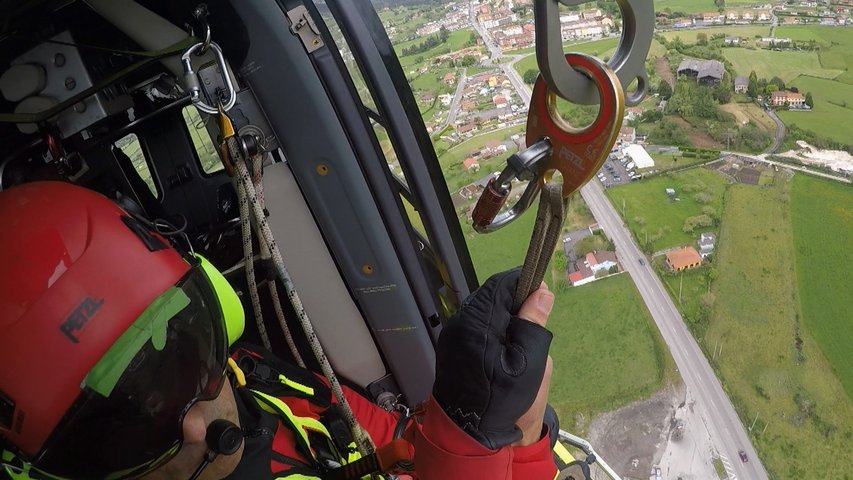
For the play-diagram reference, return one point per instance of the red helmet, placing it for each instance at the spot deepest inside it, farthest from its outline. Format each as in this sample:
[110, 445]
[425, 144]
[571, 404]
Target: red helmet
[76, 273]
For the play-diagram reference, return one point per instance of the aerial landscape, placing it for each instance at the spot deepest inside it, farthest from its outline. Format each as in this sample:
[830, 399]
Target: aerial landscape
[702, 325]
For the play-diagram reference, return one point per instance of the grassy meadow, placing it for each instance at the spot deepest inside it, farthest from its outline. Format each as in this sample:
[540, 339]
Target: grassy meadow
[652, 216]
[785, 65]
[832, 112]
[770, 362]
[822, 219]
[607, 350]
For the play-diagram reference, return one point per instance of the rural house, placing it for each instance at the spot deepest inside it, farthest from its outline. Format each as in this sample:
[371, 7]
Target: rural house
[706, 72]
[471, 163]
[586, 269]
[683, 259]
[741, 84]
[449, 79]
[706, 244]
[782, 98]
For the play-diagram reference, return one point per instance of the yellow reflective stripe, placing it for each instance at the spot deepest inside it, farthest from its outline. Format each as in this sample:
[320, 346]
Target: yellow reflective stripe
[295, 385]
[300, 424]
[299, 476]
[563, 453]
[354, 454]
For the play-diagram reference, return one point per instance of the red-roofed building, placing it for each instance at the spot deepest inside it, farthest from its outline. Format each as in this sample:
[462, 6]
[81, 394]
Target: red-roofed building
[594, 265]
[471, 164]
[683, 259]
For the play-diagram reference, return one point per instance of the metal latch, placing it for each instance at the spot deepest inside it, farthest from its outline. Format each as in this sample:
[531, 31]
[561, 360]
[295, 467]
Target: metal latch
[304, 27]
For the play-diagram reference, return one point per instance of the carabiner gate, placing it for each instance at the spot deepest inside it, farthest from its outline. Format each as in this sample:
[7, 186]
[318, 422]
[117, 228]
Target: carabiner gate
[194, 86]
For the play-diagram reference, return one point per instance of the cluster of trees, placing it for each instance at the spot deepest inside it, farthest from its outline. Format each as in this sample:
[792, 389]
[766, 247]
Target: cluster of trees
[691, 100]
[467, 61]
[431, 42]
[530, 76]
[698, 221]
[668, 132]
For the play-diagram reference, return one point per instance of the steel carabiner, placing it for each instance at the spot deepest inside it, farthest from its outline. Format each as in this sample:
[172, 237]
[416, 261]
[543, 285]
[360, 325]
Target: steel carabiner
[194, 86]
[628, 62]
[523, 166]
[555, 146]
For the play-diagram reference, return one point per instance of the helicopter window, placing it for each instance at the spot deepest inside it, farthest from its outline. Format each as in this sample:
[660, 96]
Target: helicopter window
[129, 144]
[204, 147]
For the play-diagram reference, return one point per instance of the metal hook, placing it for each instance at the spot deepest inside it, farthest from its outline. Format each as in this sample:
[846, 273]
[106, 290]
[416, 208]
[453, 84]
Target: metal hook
[523, 166]
[192, 82]
[628, 62]
[200, 14]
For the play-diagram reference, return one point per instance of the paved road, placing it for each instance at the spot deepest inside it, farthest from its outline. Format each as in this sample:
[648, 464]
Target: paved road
[454, 105]
[724, 427]
[780, 132]
[723, 424]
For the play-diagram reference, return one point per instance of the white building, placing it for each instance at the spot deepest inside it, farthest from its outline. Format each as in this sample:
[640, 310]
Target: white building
[639, 156]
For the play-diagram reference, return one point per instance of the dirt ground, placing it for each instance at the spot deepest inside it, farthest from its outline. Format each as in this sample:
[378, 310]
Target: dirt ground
[663, 71]
[698, 138]
[633, 438]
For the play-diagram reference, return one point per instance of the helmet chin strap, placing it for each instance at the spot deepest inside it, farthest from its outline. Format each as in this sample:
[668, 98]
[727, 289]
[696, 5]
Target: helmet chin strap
[222, 437]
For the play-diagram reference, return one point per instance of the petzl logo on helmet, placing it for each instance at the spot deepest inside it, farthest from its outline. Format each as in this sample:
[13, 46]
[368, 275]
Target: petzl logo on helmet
[78, 318]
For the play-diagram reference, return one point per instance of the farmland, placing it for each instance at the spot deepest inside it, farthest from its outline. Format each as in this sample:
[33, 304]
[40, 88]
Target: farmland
[822, 218]
[771, 364]
[689, 36]
[785, 65]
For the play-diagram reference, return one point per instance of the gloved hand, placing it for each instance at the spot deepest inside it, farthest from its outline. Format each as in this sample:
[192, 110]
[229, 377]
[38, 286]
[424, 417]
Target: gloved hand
[490, 363]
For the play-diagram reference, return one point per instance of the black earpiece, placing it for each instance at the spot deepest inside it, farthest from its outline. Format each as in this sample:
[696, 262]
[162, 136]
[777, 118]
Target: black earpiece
[222, 437]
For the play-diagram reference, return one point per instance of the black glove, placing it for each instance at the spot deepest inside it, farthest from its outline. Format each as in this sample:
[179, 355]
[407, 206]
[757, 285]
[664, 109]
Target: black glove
[490, 363]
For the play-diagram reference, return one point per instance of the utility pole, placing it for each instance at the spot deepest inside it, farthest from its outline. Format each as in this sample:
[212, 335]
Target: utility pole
[623, 208]
[714, 355]
[680, 285]
[753, 422]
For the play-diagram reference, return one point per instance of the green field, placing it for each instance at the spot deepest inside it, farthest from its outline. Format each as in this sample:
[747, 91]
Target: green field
[829, 118]
[822, 218]
[689, 36]
[686, 6]
[651, 215]
[457, 41]
[607, 350]
[785, 65]
[770, 363]
[836, 52]
[689, 290]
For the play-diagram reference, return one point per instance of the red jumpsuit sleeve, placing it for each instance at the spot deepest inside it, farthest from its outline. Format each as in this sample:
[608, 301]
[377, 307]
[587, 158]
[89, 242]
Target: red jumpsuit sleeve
[444, 451]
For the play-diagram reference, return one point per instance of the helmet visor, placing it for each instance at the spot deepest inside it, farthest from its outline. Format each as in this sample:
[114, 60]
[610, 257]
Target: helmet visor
[128, 419]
